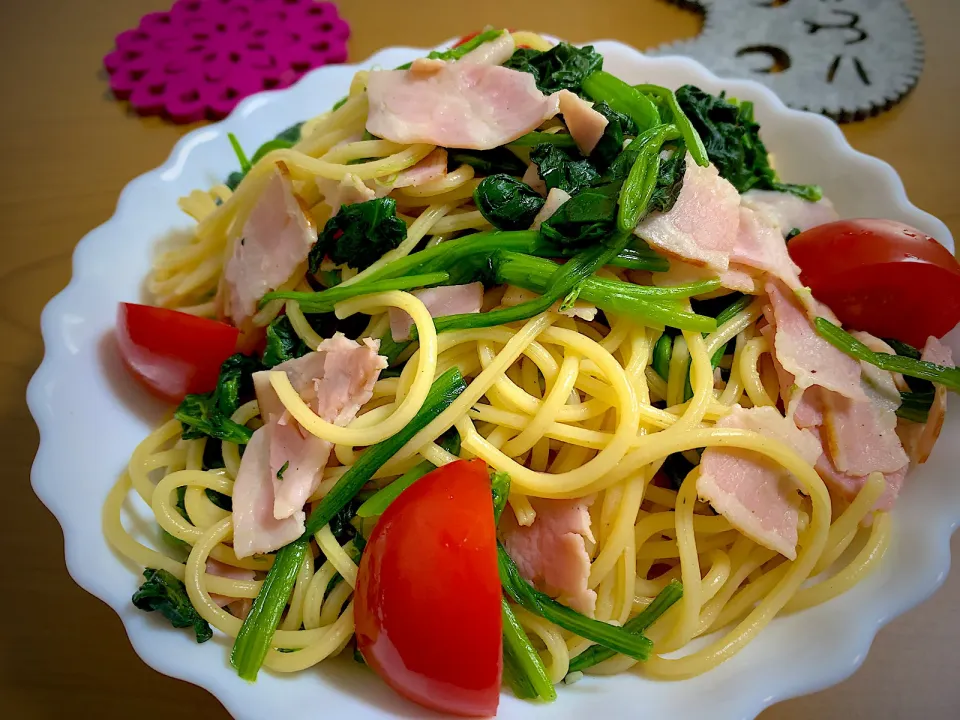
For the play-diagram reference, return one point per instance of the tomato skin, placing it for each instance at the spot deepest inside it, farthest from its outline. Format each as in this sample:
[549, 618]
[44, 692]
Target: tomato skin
[427, 599]
[466, 38]
[170, 352]
[881, 276]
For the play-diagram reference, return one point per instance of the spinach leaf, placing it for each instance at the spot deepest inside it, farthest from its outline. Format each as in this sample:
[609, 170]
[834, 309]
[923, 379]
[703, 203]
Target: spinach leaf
[733, 144]
[208, 414]
[283, 343]
[487, 162]
[610, 145]
[562, 67]
[292, 134]
[669, 180]
[162, 592]
[340, 524]
[359, 234]
[792, 234]
[507, 203]
[561, 170]
[587, 218]
[224, 502]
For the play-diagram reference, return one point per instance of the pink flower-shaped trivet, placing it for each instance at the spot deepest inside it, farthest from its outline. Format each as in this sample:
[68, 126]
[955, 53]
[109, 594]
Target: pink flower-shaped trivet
[204, 56]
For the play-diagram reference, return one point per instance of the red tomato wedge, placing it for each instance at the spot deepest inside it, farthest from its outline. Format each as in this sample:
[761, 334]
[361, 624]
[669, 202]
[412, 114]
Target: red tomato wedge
[427, 600]
[881, 276]
[171, 352]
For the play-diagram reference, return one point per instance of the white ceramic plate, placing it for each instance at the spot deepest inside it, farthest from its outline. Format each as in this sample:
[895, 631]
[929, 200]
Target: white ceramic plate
[91, 415]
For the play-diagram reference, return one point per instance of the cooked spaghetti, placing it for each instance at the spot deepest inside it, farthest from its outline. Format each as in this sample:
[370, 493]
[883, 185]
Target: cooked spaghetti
[502, 252]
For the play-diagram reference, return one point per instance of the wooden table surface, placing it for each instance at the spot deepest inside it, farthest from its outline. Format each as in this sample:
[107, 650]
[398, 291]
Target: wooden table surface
[69, 148]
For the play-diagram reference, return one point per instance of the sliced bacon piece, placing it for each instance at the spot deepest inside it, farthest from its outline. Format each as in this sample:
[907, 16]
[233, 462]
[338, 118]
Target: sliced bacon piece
[555, 198]
[787, 211]
[240, 607]
[439, 301]
[760, 246]
[701, 228]
[284, 467]
[348, 191]
[532, 178]
[585, 124]
[735, 277]
[274, 243]
[758, 496]
[919, 439]
[804, 354]
[860, 435]
[552, 552]
[515, 295]
[847, 486]
[458, 105]
[255, 529]
[432, 167]
[807, 407]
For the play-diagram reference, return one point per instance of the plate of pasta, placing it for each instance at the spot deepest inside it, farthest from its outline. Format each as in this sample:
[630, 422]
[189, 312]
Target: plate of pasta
[513, 377]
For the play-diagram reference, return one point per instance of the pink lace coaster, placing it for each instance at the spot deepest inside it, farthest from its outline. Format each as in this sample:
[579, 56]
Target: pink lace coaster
[204, 56]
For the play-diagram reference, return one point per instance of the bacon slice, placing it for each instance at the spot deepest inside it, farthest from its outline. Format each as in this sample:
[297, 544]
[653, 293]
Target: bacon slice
[274, 243]
[348, 191]
[735, 277]
[919, 439]
[532, 178]
[255, 529]
[515, 295]
[760, 246]
[459, 105]
[701, 228]
[240, 607]
[804, 354]
[552, 551]
[555, 198]
[585, 124]
[439, 301]
[432, 167]
[758, 496]
[283, 468]
[847, 486]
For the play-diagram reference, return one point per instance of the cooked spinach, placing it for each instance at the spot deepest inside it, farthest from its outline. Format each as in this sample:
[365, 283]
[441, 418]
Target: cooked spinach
[507, 203]
[340, 524]
[164, 593]
[487, 162]
[669, 180]
[359, 234]
[563, 170]
[283, 343]
[733, 144]
[587, 218]
[208, 414]
[562, 67]
[619, 127]
[224, 502]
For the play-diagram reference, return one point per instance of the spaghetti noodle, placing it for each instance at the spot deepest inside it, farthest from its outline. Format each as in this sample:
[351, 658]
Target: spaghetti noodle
[572, 409]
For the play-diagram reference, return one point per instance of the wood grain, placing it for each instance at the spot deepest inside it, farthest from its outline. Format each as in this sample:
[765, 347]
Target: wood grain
[68, 148]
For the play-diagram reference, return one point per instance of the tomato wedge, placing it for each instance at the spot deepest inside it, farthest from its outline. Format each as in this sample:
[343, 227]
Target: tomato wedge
[427, 600]
[171, 352]
[881, 276]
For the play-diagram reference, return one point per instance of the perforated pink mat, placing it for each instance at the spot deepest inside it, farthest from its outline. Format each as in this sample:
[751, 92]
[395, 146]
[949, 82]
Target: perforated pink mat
[204, 56]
